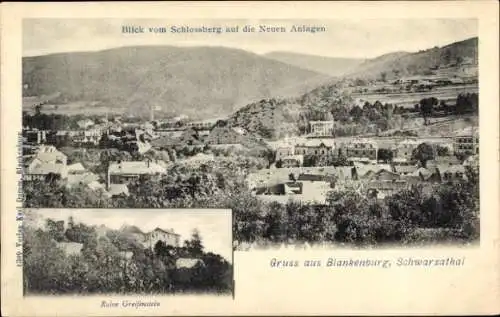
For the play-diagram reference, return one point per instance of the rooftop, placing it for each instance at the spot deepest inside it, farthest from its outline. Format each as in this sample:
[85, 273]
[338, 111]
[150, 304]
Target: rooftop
[47, 168]
[318, 142]
[137, 168]
[170, 231]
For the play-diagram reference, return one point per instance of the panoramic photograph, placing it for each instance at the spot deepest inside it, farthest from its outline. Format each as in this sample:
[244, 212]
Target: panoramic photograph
[116, 251]
[355, 133]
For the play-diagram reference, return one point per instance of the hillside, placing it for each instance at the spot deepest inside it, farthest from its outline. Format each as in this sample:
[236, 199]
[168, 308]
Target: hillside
[399, 64]
[331, 66]
[196, 81]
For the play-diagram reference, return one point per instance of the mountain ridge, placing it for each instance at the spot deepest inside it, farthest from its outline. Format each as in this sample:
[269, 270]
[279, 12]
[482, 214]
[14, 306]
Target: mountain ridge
[201, 81]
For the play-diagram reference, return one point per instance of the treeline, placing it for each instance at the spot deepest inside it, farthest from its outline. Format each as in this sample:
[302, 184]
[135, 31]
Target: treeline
[54, 122]
[448, 214]
[433, 107]
[103, 267]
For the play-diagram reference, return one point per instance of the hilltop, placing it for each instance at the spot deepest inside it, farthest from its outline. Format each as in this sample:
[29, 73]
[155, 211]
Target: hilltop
[332, 66]
[398, 64]
[196, 81]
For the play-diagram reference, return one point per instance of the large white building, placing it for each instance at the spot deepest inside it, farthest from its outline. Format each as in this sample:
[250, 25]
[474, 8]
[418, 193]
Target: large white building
[466, 142]
[322, 128]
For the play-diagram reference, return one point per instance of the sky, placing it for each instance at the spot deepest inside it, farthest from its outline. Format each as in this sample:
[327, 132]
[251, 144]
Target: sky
[215, 226]
[353, 38]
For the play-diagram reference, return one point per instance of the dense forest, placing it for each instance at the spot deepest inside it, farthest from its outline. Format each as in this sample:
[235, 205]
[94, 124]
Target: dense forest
[102, 267]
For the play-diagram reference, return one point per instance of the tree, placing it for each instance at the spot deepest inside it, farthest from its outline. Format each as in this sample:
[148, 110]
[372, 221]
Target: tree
[442, 150]
[56, 229]
[195, 245]
[385, 155]
[427, 107]
[279, 163]
[423, 153]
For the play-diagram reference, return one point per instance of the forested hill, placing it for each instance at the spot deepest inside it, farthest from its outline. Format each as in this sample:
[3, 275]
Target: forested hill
[399, 64]
[196, 81]
[277, 118]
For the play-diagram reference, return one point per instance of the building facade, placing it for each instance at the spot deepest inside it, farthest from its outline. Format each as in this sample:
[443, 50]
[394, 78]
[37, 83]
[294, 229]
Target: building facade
[363, 149]
[124, 172]
[322, 128]
[466, 143]
[170, 238]
[404, 149]
[315, 147]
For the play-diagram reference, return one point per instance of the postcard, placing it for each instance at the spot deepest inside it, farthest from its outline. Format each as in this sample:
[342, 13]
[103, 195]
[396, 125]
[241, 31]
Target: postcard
[250, 158]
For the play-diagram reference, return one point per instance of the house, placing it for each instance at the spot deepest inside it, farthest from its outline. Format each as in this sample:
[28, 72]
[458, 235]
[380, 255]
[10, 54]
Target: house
[203, 124]
[405, 169]
[452, 173]
[443, 160]
[86, 178]
[315, 147]
[47, 164]
[138, 146]
[124, 172]
[404, 149]
[149, 239]
[169, 237]
[466, 141]
[383, 189]
[472, 160]
[35, 136]
[284, 151]
[322, 128]
[362, 148]
[45, 172]
[76, 168]
[49, 154]
[367, 171]
[283, 148]
[385, 175]
[304, 190]
[292, 161]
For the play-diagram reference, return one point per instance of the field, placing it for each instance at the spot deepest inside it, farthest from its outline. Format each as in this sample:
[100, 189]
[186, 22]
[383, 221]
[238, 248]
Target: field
[409, 99]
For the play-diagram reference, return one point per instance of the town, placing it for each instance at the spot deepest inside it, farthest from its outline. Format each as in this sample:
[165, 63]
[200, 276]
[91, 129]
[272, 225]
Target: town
[303, 167]
[373, 157]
